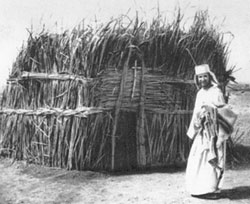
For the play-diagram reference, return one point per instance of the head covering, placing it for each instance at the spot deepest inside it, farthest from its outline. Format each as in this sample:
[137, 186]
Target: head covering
[202, 69]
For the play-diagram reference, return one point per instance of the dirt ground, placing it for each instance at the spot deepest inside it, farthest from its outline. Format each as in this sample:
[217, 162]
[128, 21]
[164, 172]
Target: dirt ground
[33, 184]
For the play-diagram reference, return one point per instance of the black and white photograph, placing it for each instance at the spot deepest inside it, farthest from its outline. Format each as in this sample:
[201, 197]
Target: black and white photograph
[124, 101]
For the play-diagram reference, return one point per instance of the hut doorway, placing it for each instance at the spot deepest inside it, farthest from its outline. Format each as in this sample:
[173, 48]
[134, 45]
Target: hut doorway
[126, 150]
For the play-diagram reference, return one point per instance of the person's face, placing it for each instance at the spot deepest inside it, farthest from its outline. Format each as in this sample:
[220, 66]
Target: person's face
[204, 80]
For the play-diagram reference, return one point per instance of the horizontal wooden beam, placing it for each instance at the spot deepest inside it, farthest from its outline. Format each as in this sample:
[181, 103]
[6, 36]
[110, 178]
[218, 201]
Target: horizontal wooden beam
[174, 112]
[149, 78]
[50, 76]
[81, 111]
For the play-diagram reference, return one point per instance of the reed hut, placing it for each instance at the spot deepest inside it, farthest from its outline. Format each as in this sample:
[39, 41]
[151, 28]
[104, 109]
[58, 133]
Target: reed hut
[118, 96]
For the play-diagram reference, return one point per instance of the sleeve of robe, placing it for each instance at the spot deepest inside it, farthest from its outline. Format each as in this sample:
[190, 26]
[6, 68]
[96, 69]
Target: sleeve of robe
[192, 131]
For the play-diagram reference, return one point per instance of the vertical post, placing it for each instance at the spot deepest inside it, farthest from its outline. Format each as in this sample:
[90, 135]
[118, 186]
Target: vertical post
[117, 108]
[72, 142]
[141, 150]
[134, 82]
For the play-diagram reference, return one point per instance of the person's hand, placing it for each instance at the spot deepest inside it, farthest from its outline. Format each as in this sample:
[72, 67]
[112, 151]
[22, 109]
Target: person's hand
[197, 123]
[203, 111]
[199, 120]
[219, 142]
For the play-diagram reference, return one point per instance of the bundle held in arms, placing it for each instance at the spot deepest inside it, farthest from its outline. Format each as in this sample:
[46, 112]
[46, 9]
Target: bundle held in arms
[216, 124]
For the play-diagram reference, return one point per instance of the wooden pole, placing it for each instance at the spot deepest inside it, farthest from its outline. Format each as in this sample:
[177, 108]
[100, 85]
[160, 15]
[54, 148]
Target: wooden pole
[141, 150]
[72, 142]
[52, 76]
[117, 109]
[135, 68]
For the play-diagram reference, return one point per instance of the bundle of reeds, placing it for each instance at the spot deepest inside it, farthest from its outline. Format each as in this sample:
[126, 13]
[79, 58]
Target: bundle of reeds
[117, 96]
[87, 51]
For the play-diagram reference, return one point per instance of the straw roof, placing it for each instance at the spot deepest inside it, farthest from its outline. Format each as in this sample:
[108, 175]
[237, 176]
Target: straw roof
[87, 51]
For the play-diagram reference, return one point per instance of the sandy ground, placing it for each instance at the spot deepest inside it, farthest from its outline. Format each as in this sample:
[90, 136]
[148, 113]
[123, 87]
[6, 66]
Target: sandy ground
[35, 185]
[32, 184]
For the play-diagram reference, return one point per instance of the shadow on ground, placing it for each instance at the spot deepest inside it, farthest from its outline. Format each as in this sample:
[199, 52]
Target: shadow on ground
[238, 193]
[238, 157]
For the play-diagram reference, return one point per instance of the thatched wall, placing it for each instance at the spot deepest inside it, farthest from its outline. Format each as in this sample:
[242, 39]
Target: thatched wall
[115, 97]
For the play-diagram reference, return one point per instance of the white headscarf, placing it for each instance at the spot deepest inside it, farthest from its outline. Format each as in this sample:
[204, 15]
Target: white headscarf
[202, 69]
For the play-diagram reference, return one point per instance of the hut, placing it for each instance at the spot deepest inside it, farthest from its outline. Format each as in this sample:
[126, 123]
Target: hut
[114, 97]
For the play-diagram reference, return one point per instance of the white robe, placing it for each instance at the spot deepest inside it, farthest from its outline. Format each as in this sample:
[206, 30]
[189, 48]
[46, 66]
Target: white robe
[201, 176]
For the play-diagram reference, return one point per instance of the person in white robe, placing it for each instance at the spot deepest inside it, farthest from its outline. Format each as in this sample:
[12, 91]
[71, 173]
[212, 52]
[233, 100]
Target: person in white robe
[206, 161]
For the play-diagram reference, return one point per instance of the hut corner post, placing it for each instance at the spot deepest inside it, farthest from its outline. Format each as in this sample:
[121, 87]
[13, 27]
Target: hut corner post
[140, 130]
